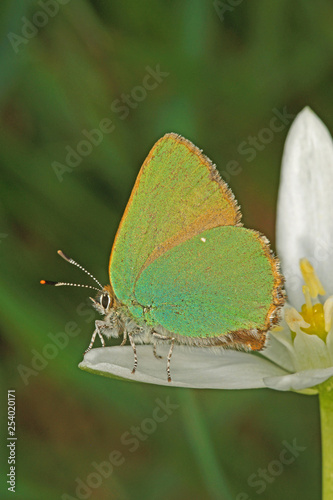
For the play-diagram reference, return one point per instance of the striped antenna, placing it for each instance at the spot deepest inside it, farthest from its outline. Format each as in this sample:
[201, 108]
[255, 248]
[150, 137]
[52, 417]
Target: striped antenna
[72, 261]
[60, 283]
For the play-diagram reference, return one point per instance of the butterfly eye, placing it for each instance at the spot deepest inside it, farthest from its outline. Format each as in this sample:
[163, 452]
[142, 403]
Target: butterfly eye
[105, 300]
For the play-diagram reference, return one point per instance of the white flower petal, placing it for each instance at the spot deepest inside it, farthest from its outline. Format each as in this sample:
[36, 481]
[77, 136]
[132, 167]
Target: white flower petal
[305, 204]
[200, 368]
[299, 381]
[328, 313]
[329, 343]
[280, 349]
[312, 352]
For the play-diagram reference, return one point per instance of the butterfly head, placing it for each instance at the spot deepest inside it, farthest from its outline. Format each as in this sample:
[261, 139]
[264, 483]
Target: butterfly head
[104, 301]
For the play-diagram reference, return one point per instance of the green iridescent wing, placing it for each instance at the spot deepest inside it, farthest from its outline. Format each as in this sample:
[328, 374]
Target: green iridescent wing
[178, 194]
[221, 282]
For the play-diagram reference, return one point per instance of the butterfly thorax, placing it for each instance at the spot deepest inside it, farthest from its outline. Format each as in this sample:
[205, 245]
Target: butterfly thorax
[118, 319]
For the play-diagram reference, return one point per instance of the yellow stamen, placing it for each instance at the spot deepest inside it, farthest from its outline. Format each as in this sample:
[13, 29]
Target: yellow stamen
[328, 313]
[276, 329]
[311, 279]
[294, 320]
[307, 296]
[316, 319]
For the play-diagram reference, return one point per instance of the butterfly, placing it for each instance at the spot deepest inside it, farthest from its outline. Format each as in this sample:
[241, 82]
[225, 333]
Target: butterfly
[183, 269]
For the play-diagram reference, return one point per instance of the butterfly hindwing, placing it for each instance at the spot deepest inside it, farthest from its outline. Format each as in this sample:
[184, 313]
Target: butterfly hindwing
[221, 281]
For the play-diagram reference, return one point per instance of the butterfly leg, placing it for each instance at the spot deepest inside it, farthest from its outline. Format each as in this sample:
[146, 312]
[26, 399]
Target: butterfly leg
[124, 338]
[164, 337]
[169, 359]
[155, 353]
[130, 336]
[98, 325]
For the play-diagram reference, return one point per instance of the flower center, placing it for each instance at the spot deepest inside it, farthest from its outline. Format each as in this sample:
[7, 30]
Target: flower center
[313, 311]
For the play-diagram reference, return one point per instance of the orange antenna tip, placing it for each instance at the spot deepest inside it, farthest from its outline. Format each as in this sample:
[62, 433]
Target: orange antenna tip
[61, 253]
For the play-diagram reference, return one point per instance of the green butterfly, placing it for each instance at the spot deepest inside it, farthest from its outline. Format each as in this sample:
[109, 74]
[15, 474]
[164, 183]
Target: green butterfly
[183, 269]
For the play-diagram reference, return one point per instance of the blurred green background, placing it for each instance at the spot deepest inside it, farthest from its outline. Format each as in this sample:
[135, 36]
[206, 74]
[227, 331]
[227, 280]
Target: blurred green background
[222, 71]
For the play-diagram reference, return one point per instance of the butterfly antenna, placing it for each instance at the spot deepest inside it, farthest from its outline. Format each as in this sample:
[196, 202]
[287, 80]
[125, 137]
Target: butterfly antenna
[72, 261]
[60, 283]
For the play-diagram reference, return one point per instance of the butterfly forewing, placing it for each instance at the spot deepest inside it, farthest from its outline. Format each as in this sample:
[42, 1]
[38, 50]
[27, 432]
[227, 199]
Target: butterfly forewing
[177, 195]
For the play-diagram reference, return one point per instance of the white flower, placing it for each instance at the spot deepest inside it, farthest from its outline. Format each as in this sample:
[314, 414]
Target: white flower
[299, 354]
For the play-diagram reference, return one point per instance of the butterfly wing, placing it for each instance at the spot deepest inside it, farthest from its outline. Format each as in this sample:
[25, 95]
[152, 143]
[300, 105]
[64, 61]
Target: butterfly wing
[222, 282]
[177, 195]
